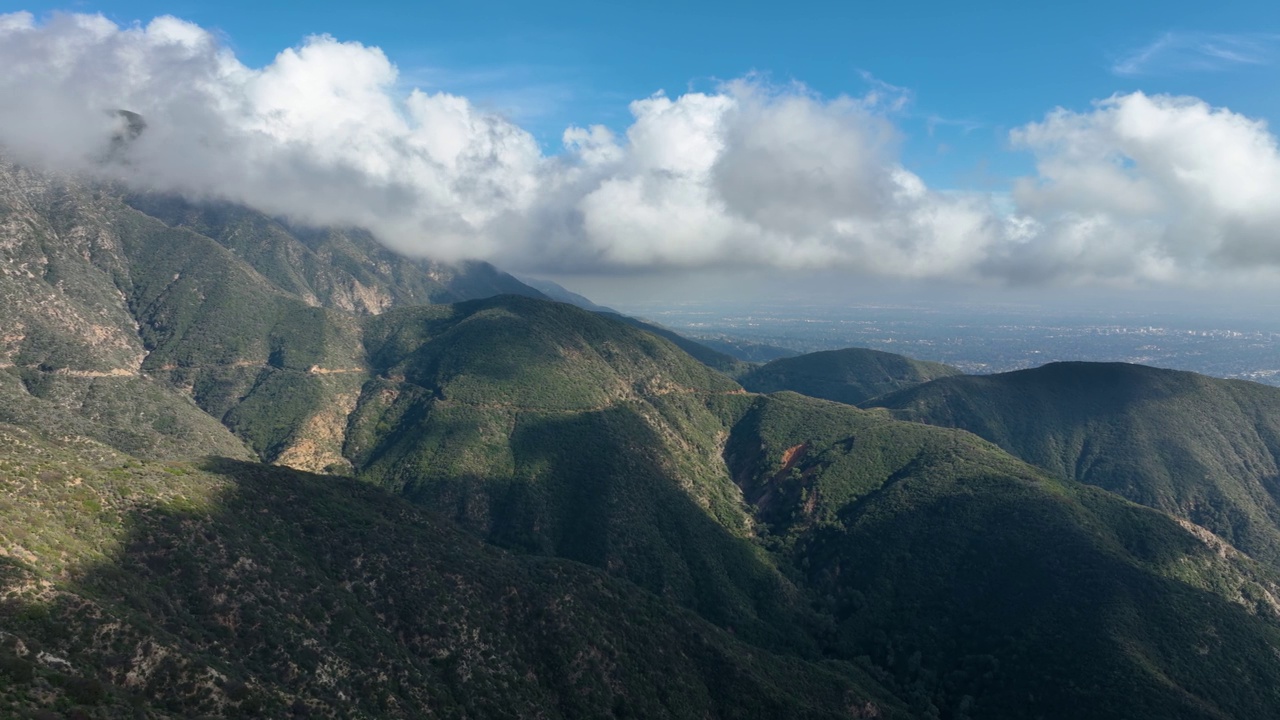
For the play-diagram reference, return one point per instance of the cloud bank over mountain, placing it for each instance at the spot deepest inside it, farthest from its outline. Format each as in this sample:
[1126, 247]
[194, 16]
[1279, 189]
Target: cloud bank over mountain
[1137, 189]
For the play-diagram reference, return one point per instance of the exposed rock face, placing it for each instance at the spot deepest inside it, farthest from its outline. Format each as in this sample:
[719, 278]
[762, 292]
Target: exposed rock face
[207, 306]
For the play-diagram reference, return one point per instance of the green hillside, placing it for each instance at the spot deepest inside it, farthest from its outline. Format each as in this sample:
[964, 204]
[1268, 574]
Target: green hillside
[71, 353]
[850, 376]
[1198, 448]
[957, 531]
[977, 587]
[108, 310]
[231, 589]
[553, 430]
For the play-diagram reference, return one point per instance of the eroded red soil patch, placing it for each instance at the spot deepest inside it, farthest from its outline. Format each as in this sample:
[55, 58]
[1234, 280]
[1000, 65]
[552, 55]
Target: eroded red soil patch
[792, 456]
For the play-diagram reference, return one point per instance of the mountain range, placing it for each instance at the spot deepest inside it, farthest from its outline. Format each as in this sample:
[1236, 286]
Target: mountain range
[253, 469]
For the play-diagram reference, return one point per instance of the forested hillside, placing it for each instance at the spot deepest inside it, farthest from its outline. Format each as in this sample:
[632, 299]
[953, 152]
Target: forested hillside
[1198, 448]
[851, 376]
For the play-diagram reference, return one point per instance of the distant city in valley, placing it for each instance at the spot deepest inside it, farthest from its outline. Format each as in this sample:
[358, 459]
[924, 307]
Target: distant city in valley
[991, 338]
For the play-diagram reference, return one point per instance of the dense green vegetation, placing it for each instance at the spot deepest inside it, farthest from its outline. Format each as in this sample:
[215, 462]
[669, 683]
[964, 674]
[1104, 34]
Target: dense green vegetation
[529, 509]
[553, 430]
[242, 590]
[1196, 447]
[978, 587]
[851, 376]
[137, 415]
[847, 504]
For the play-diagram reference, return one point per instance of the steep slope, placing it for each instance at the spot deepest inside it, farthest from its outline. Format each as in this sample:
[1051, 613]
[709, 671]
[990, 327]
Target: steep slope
[262, 361]
[713, 359]
[341, 268]
[971, 583]
[70, 350]
[850, 376]
[1198, 448]
[981, 588]
[559, 293]
[242, 590]
[553, 430]
[111, 313]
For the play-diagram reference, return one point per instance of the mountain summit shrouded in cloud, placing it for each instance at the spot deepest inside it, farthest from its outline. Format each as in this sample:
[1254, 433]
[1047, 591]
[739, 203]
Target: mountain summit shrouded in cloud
[1137, 189]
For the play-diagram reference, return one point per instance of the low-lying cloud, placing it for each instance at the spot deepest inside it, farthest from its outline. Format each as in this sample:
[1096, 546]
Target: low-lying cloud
[1137, 189]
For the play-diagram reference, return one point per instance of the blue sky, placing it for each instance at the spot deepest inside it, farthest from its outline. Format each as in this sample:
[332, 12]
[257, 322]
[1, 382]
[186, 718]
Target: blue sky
[972, 71]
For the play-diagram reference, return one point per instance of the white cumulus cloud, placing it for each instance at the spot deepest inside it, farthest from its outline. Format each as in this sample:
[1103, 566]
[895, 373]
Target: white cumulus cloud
[1149, 187]
[1135, 189]
[318, 135]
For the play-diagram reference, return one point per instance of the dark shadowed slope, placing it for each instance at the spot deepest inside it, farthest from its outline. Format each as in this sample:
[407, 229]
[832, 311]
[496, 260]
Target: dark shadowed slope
[920, 550]
[241, 590]
[980, 588]
[1196, 447]
[554, 430]
[849, 376]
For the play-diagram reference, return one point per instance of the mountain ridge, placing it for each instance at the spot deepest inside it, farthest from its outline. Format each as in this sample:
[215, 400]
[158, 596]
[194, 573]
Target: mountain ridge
[850, 375]
[1200, 448]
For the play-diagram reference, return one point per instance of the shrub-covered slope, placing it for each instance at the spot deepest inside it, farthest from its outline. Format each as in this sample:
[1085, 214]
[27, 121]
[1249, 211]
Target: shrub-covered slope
[70, 350]
[110, 312]
[980, 588]
[554, 430]
[849, 376]
[969, 582]
[231, 589]
[1198, 448]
